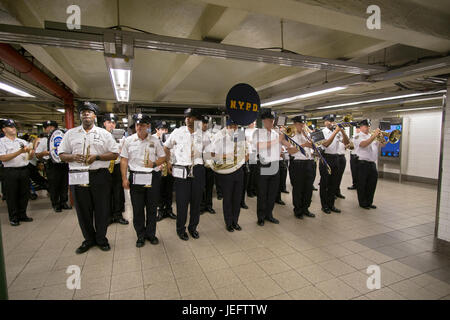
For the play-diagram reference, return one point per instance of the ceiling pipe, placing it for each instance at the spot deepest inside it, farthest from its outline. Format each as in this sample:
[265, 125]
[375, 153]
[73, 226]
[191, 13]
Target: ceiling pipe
[10, 56]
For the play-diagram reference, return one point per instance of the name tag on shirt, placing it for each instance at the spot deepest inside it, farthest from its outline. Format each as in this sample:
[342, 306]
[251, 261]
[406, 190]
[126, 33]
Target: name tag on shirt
[179, 172]
[144, 179]
[78, 177]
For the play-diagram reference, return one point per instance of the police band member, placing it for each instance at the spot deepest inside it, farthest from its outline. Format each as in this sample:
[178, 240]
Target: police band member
[342, 164]
[166, 188]
[89, 149]
[188, 171]
[367, 148]
[15, 154]
[267, 142]
[329, 182]
[283, 164]
[207, 203]
[301, 170]
[141, 155]
[228, 147]
[252, 162]
[117, 192]
[57, 173]
[354, 159]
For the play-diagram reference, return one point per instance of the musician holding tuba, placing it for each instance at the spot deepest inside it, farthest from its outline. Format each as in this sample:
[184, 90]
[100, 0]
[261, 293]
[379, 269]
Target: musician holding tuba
[367, 149]
[141, 155]
[89, 149]
[301, 170]
[166, 190]
[329, 181]
[230, 151]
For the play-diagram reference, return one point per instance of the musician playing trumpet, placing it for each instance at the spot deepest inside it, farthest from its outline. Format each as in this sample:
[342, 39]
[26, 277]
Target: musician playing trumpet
[367, 149]
[301, 170]
[230, 151]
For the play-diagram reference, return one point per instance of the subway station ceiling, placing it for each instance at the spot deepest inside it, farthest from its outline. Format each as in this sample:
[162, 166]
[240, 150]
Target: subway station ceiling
[409, 53]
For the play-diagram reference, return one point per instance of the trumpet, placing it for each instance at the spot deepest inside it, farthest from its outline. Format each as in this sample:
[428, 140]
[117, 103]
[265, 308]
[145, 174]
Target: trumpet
[147, 163]
[86, 157]
[347, 121]
[393, 137]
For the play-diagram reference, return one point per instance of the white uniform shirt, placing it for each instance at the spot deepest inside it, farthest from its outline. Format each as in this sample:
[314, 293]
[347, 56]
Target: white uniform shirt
[42, 146]
[334, 146]
[134, 149]
[223, 143]
[272, 153]
[301, 139]
[8, 146]
[341, 145]
[99, 140]
[355, 149]
[181, 141]
[369, 153]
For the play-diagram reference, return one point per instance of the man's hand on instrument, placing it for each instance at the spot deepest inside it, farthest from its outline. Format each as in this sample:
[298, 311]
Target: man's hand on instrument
[78, 158]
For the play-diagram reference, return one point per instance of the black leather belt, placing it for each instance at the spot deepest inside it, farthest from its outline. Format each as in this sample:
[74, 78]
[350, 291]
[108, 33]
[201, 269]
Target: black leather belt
[330, 155]
[16, 168]
[305, 160]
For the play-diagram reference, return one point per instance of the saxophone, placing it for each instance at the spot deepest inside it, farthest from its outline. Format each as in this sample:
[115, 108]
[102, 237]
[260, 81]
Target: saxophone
[224, 166]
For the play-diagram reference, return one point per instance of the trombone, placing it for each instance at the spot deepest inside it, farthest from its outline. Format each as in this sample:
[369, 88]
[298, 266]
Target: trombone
[317, 152]
[289, 132]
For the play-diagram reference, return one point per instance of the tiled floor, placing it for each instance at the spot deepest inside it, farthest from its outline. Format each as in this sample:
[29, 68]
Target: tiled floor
[321, 258]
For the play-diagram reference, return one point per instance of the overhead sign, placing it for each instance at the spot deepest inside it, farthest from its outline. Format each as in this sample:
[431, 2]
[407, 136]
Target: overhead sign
[243, 104]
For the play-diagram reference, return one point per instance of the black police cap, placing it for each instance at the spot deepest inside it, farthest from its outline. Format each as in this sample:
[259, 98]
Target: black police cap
[162, 125]
[268, 115]
[49, 123]
[8, 123]
[141, 118]
[86, 105]
[300, 118]
[110, 117]
[329, 117]
[205, 119]
[191, 112]
[365, 122]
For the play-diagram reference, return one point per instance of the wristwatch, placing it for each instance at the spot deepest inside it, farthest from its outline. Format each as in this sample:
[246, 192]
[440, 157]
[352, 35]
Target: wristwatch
[97, 158]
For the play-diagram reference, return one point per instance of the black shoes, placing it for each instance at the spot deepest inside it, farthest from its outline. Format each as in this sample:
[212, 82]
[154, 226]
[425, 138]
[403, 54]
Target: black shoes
[309, 214]
[15, 223]
[65, 206]
[57, 208]
[281, 202]
[326, 210]
[285, 191]
[315, 189]
[251, 195]
[85, 246]
[219, 197]
[164, 213]
[372, 206]
[171, 215]
[183, 236]
[122, 221]
[244, 206]
[26, 219]
[140, 242]
[104, 247]
[237, 227]
[353, 187]
[210, 210]
[153, 240]
[340, 196]
[260, 223]
[194, 234]
[273, 220]
[334, 209]
[298, 216]
[365, 207]
[230, 229]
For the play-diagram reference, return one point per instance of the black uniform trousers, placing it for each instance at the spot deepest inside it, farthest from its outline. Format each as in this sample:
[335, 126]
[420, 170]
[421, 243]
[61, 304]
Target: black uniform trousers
[166, 193]
[189, 191]
[329, 182]
[207, 193]
[92, 205]
[246, 178]
[58, 182]
[145, 203]
[233, 183]
[342, 165]
[117, 193]
[17, 190]
[252, 179]
[301, 173]
[367, 182]
[354, 168]
[267, 191]
[283, 176]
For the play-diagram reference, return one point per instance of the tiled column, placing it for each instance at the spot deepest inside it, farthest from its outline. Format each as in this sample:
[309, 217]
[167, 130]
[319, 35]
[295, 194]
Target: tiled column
[443, 204]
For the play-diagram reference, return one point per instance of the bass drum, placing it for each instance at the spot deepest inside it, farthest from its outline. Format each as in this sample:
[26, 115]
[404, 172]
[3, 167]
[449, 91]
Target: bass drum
[53, 143]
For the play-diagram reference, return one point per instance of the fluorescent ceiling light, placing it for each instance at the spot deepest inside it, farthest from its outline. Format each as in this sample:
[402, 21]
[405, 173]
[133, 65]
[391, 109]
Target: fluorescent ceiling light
[415, 109]
[315, 118]
[16, 91]
[121, 79]
[380, 99]
[302, 96]
[61, 110]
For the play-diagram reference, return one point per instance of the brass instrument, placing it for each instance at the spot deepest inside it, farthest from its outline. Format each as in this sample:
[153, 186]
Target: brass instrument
[111, 166]
[86, 157]
[225, 166]
[191, 167]
[147, 163]
[317, 152]
[393, 137]
[289, 132]
[347, 121]
[164, 169]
